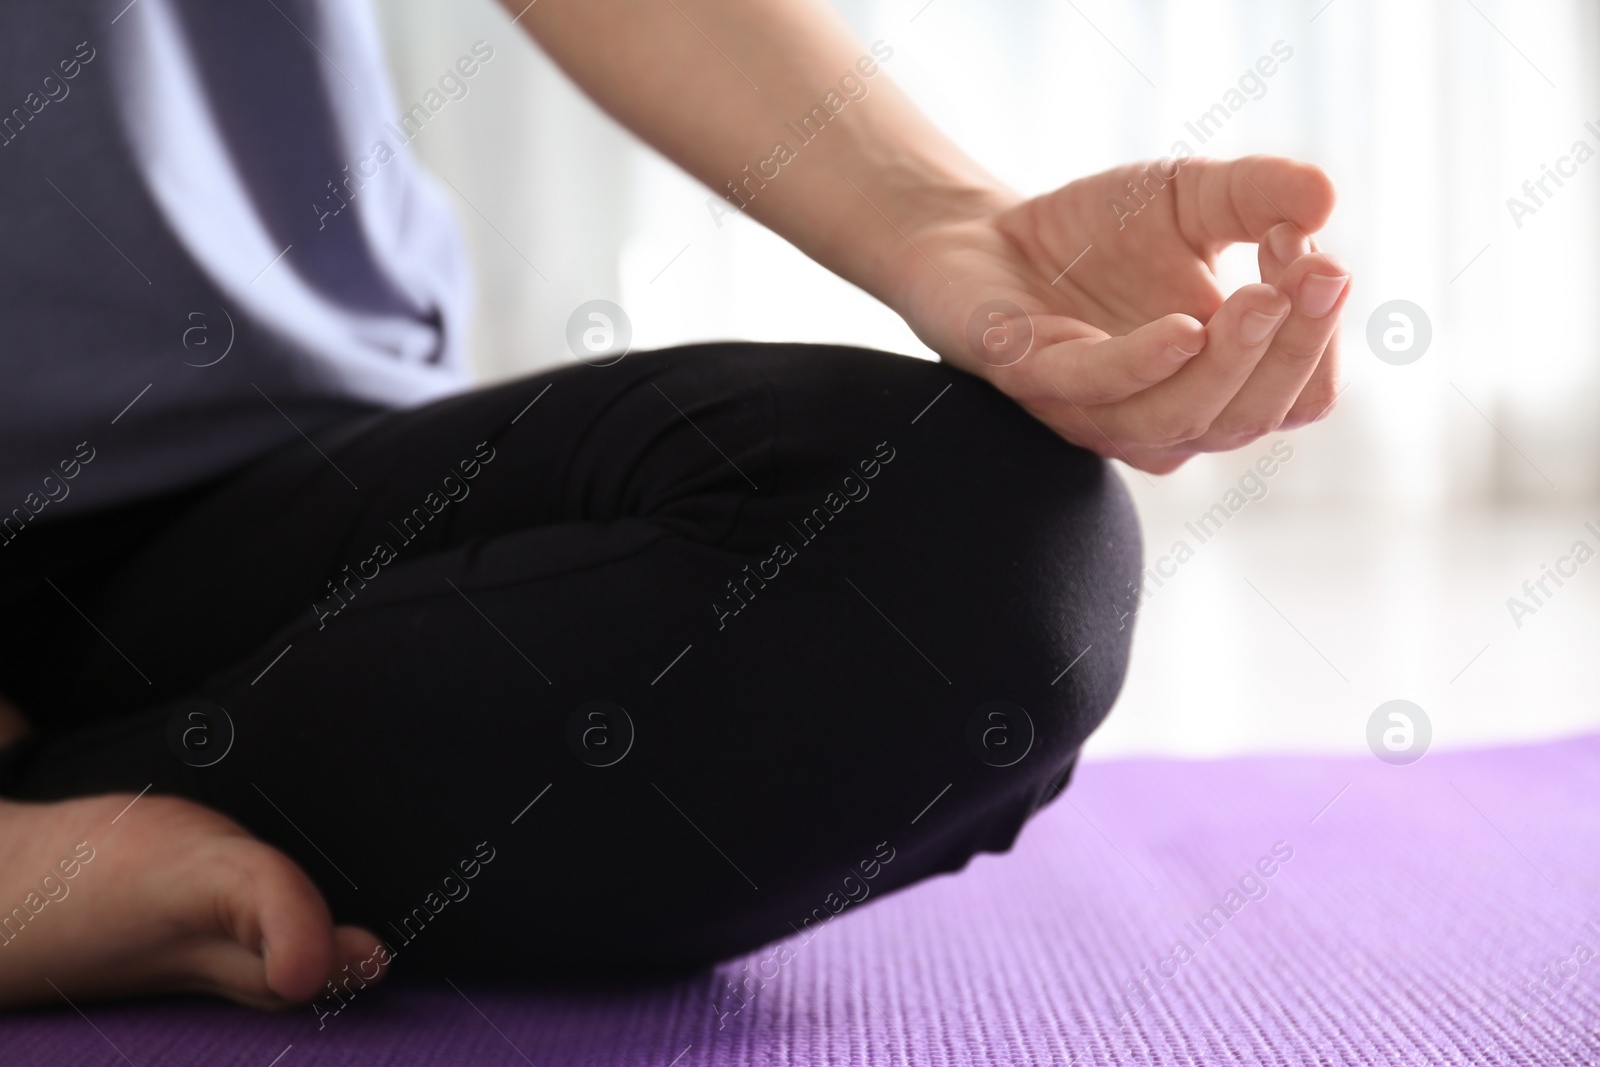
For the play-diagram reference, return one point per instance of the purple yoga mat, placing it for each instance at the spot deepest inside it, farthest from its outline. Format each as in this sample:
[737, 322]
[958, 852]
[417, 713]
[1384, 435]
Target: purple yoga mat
[1440, 913]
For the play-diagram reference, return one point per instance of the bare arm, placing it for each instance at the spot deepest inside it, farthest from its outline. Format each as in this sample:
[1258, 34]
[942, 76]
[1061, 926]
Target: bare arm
[717, 86]
[1112, 328]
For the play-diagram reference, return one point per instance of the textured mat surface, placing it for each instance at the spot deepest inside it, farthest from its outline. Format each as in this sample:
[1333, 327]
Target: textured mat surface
[1442, 913]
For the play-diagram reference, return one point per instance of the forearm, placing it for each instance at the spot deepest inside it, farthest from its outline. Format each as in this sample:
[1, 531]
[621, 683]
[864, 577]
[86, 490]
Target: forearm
[723, 88]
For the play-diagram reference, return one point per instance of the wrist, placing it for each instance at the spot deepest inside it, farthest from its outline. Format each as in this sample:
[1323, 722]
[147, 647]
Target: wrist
[932, 221]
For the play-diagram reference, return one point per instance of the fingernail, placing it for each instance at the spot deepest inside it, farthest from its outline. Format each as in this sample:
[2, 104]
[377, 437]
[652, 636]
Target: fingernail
[1319, 292]
[1287, 244]
[1256, 326]
[1178, 354]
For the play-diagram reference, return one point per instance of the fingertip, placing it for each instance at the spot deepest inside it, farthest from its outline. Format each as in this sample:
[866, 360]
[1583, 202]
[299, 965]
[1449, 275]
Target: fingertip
[1321, 192]
[1301, 192]
[1327, 263]
[1286, 243]
[1314, 192]
[1318, 283]
[1183, 332]
[1258, 296]
[1316, 262]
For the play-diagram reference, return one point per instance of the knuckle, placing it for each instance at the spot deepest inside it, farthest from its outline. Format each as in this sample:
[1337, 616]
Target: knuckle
[1238, 434]
[1323, 402]
[1143, 376]
[1314, 405]
[1299, 352]
[1175, 428]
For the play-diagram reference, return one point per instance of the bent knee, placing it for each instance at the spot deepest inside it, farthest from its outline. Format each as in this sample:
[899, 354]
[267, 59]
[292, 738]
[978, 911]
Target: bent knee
[1041, 537]
[1008, 556]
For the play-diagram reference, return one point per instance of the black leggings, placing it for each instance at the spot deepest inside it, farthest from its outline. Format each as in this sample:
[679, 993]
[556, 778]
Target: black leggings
[606, 669]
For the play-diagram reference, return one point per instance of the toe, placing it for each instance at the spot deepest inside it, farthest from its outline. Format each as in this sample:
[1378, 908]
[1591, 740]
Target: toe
[359, 952]
[270, 909]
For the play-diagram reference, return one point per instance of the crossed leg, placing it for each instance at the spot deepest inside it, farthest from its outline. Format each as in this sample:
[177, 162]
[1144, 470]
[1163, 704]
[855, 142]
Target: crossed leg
[608, 669]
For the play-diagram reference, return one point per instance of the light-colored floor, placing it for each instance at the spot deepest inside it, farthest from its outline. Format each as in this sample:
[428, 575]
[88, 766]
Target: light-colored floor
[1290, 626]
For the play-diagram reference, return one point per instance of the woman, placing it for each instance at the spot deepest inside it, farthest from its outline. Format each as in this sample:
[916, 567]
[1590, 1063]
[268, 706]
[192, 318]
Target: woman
[322, 659]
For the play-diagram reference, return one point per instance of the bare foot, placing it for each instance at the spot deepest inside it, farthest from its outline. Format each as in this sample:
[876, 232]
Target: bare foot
[171, 897]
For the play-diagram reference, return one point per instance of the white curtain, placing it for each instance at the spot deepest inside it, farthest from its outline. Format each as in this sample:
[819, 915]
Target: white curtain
[1429, 114]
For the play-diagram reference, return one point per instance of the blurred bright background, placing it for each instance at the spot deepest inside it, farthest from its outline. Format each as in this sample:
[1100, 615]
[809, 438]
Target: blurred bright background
[1379, 563]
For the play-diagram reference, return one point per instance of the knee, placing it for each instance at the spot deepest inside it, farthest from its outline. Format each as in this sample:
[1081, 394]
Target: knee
[1087, 598]
[1035, 544]
[1064, 577]
[1052, 553]
[1013, 554]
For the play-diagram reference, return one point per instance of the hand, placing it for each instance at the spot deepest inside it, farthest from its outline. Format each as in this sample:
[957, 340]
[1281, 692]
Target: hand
[1135, 352]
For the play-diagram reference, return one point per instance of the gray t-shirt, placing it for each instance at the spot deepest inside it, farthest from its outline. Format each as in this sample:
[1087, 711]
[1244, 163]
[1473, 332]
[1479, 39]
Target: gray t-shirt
[205, 250]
